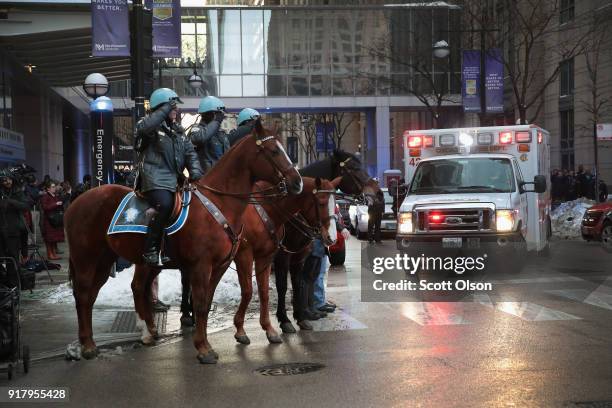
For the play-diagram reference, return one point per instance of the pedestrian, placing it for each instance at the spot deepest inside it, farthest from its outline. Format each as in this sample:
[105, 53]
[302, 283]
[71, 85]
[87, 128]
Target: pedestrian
[12, 206]
[52, 220]
[65, 193]
[321, 304]
[376, 209]
[581, 182]
[81, 187]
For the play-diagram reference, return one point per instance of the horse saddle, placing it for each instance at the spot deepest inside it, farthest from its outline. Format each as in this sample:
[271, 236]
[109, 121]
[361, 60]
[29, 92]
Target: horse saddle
[134, 212]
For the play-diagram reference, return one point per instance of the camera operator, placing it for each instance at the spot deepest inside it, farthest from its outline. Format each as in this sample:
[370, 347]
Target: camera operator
[12, 206]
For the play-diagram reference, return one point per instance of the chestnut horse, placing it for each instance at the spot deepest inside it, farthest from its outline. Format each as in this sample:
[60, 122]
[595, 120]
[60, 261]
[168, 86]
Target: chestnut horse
[203, 247]
[355, 181]
[261, 241]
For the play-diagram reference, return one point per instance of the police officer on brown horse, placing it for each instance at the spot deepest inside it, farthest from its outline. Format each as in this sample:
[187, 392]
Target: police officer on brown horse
[164, 151]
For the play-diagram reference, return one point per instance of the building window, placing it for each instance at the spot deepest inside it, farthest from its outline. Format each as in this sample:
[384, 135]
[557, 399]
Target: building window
[566, 11]
[567, 139]
[567, 77]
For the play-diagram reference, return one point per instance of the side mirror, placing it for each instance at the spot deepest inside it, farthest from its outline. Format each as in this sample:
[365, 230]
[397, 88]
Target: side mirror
[539, 185]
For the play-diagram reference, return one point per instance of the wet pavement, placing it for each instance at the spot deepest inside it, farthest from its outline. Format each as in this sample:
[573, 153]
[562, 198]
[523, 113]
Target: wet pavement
[552, 352]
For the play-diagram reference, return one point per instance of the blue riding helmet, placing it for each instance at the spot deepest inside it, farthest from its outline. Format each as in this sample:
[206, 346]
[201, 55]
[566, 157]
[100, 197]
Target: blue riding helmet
[211, 104]
[247, 114]
[161, 96]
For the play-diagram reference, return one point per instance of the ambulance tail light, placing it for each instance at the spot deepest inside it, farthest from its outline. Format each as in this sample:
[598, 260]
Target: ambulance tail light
[484, 138]
[447, 140]
[505, 137]
[428, 141]
[523, 148]
[414, 152]
[523, 137]
[415, 141]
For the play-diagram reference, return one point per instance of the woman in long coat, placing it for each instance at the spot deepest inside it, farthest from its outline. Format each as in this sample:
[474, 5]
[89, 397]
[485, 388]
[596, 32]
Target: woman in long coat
[52, 234]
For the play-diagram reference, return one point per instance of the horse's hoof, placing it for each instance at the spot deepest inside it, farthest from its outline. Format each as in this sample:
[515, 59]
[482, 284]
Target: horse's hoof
[243, 339]
[155, 335]
[274, 338]
[208, 358]
[288, 328]
[187, 321]
[89, 354]
[305, 325]
[214, 353]
[148, 341]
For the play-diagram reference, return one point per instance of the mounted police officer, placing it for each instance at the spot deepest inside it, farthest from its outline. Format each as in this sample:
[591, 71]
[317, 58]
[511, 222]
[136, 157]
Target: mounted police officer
[164, 151]
[210, 141]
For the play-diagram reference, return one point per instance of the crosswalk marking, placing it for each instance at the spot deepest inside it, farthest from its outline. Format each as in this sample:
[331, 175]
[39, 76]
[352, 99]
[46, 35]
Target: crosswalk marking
[600, 297]
[337, 321]
[532, 312]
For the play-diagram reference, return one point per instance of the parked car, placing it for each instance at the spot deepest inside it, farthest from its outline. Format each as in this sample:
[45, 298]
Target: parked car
[359, 217]
[343, 206]
[597, 225]
[337, 252]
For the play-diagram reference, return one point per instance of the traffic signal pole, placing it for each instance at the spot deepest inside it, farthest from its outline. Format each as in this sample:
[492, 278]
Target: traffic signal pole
[138, 59]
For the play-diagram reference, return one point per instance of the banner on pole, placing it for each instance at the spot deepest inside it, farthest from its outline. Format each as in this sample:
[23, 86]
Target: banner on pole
[110, 28]
[604, 131]
[166, 28]
[470, 81]
[324, 137]
[494, 81]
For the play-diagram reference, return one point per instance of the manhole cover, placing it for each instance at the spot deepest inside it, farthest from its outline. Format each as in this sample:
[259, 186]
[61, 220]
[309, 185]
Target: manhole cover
[289, 369]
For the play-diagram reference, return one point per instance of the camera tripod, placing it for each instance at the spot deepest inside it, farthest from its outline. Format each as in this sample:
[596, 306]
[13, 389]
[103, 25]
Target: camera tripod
[33, 251]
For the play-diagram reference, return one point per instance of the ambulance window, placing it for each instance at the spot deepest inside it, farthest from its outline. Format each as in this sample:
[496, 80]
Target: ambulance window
[517, 169]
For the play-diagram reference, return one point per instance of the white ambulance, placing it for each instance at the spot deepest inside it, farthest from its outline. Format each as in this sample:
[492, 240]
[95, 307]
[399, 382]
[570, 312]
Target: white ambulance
[478, 188]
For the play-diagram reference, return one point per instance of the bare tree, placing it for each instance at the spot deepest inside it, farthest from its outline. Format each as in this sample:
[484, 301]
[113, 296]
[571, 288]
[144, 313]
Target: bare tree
[308, 142]
[428, 82]
[340, 125]
[526, 30]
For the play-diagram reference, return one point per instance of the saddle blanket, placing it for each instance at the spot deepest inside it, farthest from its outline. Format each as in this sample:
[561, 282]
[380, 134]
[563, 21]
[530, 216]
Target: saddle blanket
[130, 215]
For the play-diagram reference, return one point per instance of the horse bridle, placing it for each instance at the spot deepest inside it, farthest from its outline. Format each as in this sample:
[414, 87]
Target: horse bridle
[307, 230]
[278, 190]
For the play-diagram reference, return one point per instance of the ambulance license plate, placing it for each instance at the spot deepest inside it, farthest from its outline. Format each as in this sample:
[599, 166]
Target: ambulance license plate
[452, 242]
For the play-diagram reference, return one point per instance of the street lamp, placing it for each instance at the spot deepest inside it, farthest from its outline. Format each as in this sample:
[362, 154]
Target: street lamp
[195, 81]
[441, 49]
[95, 85]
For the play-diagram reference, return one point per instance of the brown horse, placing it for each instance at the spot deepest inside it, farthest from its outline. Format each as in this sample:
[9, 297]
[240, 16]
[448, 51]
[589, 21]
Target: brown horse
[203, 247]
[261, 241]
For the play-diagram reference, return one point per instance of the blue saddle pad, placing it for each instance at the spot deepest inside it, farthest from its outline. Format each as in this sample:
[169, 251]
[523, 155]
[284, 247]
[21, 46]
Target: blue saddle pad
[130, 215]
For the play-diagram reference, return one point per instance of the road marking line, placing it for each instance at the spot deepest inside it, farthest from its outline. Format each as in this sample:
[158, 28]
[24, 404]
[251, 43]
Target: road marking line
[530, 312]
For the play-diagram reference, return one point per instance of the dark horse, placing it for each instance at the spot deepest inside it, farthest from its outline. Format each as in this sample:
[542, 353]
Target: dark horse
[355, 181]
[203, 247]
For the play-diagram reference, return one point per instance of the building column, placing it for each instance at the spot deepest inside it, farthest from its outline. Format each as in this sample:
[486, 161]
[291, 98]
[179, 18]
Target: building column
[383, 148]
[369, 148]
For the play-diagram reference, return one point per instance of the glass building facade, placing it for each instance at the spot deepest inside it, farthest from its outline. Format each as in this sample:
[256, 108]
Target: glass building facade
[315, 51]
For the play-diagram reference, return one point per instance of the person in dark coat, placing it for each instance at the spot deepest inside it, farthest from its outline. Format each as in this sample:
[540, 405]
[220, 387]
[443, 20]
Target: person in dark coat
[210, 141]
[376, 209]
[163, 153]
[52, 223]
[12, 206]
[81, 187]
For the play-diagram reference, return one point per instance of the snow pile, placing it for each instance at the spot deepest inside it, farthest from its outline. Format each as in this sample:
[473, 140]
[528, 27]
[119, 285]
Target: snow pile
[117, 292]
[567, 218]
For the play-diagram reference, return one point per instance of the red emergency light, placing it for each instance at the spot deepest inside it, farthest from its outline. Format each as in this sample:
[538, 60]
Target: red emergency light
[428, 141]
[436, 218]
[415, 141]
[523, 137]
[540, 137]
[505, 137]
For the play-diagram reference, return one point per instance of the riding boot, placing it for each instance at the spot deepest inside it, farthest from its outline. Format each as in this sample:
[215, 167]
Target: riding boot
[162, 251]
[152, 241]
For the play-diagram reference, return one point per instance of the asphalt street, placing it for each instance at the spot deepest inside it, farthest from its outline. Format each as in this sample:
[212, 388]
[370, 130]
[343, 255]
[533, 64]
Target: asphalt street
[550, 352]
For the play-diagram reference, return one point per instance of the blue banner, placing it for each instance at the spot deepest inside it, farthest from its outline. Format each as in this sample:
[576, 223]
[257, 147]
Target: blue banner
[166, 28]
[494, 81]
[110, 28]
[322, 129]
[470, 81]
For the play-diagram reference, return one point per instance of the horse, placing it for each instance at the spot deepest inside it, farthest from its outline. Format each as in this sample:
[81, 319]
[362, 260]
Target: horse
[355, 181]
[203, 247]
[264, 229]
